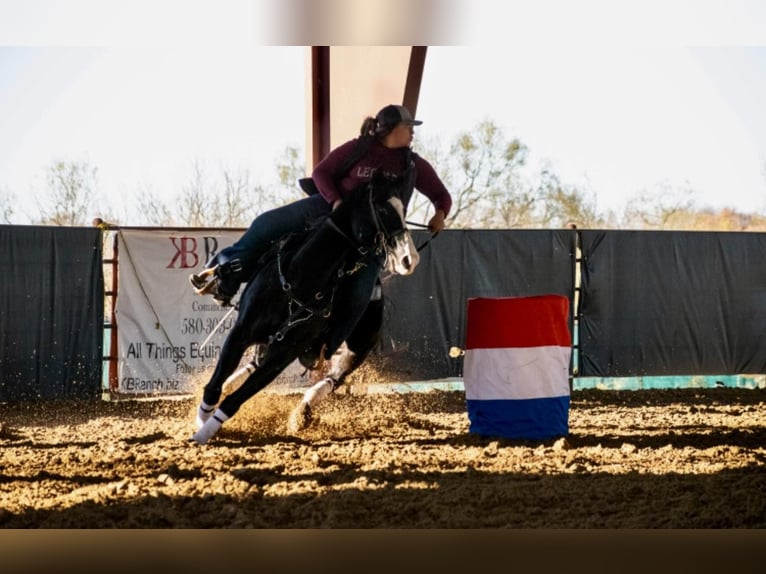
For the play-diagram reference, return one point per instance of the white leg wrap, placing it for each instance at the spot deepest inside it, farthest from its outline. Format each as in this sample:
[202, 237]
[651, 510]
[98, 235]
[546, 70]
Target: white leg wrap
[204, 412]
[211, 426]
[236, 379]
[340, 362]
[318, 392]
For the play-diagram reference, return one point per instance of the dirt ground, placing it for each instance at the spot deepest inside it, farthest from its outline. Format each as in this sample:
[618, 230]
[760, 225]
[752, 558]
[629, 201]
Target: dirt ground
[633, 459]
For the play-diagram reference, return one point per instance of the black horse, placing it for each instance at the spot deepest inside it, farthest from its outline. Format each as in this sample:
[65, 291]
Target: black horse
[286, 307]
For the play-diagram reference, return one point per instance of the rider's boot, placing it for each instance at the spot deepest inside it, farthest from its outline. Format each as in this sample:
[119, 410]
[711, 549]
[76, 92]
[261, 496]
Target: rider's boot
[218, 281]
[204, 282]
[230, 276]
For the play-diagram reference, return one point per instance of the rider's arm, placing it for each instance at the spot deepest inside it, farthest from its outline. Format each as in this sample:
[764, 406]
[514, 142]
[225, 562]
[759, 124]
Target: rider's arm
[429, 184]
[436, 223]
[324, 173]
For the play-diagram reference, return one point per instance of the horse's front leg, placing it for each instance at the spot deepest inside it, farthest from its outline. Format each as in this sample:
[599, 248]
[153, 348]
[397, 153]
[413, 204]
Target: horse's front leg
[234, 347]
[274, 362]
[349, 356]
[235, 380]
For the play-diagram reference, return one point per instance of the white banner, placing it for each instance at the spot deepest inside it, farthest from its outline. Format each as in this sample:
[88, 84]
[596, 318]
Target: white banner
[161, 322]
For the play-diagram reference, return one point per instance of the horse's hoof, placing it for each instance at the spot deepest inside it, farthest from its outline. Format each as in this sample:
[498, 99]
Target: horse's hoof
[207, 431]
[300, 418]
[199, 439]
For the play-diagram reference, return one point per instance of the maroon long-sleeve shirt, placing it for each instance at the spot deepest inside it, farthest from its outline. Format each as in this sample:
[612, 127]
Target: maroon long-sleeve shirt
[390, 160]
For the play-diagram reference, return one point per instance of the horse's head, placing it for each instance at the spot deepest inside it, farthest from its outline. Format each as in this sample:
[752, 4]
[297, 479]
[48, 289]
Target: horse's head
[378, 223]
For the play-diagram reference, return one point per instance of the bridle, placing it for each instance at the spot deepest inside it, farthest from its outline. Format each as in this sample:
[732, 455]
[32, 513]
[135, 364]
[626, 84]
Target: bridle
[383, 236]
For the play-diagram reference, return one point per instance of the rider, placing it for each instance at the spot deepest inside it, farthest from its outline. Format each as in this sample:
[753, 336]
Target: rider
[383, 144]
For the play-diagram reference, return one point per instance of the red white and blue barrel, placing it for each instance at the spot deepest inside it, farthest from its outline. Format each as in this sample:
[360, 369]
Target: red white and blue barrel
[516, 366]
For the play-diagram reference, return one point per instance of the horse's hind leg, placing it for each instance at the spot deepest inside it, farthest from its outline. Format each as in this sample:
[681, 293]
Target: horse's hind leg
[349, 356]
[360, 343]
[365, 335]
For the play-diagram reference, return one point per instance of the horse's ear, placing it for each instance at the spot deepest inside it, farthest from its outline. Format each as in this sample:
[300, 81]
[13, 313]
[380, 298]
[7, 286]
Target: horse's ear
[384, 184]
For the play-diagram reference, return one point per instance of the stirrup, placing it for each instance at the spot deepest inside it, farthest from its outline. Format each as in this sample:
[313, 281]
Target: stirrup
[196, 281]
[204, 282]
[203, 286]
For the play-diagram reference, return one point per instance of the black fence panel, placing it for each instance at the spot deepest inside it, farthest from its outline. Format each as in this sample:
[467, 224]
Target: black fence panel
[651, 303]
[672, 303]
[51, 312]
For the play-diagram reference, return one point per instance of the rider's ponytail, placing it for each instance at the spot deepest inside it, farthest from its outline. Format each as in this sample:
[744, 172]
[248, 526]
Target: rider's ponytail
[369, 126]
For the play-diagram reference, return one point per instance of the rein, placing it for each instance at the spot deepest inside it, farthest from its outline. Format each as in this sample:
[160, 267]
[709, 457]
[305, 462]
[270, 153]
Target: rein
[423, 225]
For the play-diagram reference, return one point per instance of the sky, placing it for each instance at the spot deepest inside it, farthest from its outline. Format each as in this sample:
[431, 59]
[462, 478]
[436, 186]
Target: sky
[618, 97]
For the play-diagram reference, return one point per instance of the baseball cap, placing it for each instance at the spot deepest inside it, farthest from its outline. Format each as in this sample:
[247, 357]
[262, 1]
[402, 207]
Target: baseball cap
[392, 115]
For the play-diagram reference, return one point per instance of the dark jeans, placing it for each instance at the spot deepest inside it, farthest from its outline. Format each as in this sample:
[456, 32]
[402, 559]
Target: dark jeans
[239, 261]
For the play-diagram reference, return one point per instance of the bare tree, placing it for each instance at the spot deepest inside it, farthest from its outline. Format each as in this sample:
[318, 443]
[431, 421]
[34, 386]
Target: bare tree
[196, 203]
[564, 204]
[235, 208]
[492, 185]
[152, 210]
[290, 168]
[199, 204]
[7, 199]
[232, 201]
[71, 194]
[482, 170]
[420, 208]
[663, 208]
[489, 191]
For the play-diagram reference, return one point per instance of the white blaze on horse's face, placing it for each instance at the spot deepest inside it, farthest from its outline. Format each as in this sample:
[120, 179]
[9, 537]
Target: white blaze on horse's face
[402, 256]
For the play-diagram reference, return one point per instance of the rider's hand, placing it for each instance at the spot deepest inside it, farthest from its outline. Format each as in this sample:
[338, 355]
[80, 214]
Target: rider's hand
[336, 203]
[436, 223]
